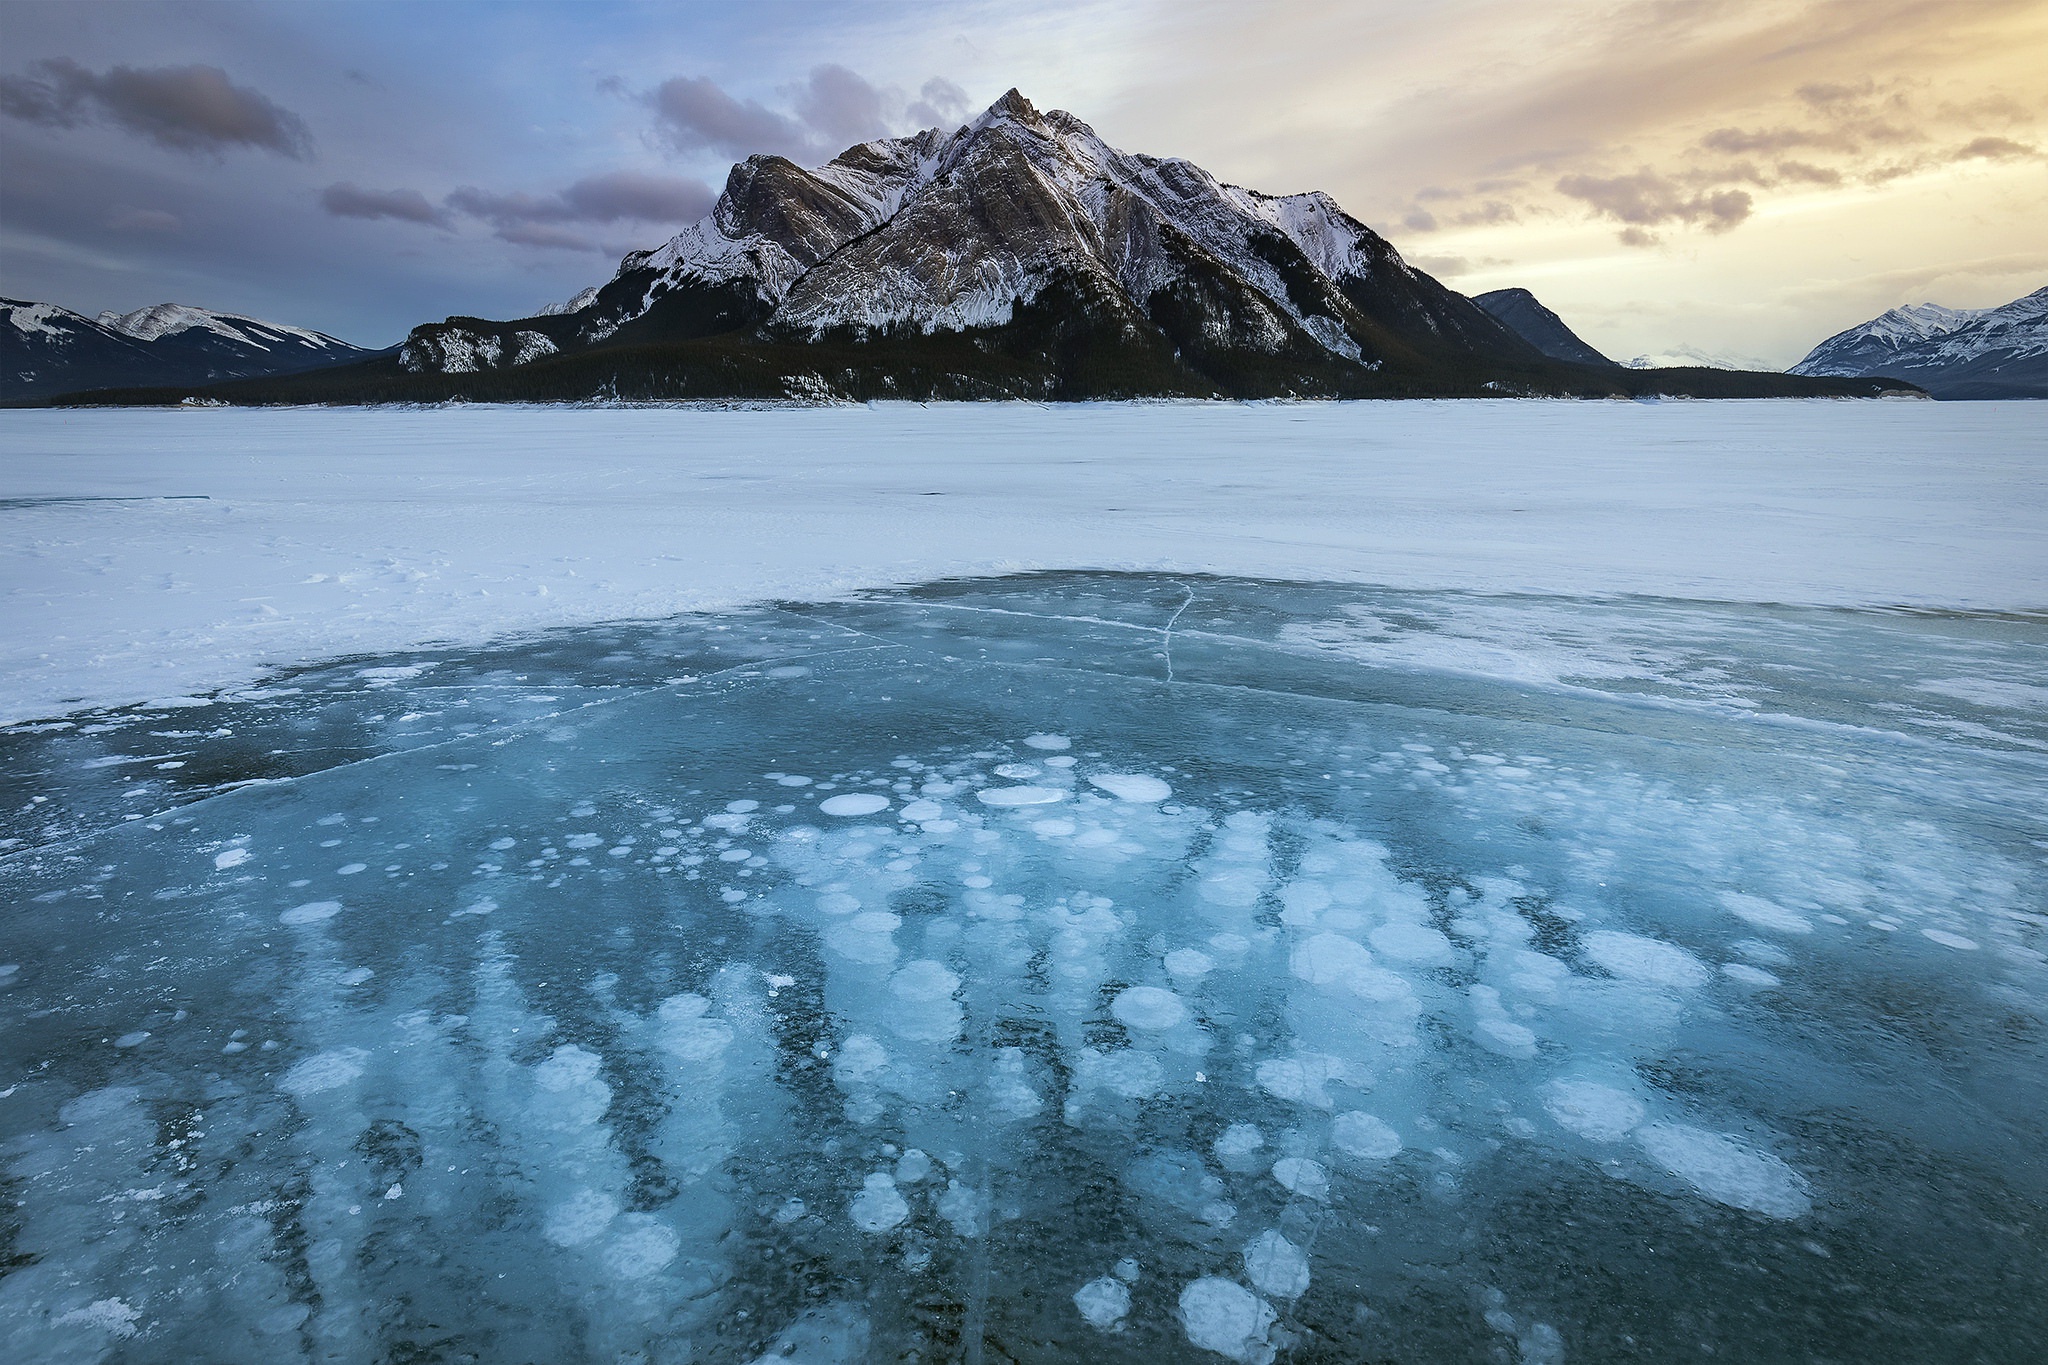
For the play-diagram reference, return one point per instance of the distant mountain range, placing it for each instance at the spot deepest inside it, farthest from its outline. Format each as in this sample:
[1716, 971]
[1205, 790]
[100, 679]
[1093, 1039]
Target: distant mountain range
[1019, 256]
[1951, 352]
[45, 349]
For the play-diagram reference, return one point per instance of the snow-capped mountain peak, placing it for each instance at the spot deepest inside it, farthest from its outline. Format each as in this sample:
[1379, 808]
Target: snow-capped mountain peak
[169, 319]
[1953, 352]
[49, 349]
[950, 232]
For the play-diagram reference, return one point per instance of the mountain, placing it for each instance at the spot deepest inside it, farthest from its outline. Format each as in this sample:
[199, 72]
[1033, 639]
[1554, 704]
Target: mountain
[1537, 325]
[49, 350]
[1683, 356]
[1951, 352]
[1018, 256]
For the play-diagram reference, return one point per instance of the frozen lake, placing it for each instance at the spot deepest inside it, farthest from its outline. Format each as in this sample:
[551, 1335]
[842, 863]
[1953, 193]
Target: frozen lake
[1098, 966]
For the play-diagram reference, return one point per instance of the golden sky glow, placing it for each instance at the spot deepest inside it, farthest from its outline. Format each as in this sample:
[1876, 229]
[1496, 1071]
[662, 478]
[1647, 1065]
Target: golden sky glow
[1742, 175]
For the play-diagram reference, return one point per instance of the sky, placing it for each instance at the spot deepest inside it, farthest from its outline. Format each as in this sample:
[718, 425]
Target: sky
[1742, 176]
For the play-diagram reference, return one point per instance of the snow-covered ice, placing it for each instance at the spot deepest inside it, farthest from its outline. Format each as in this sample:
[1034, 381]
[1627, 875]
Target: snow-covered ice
[1362, 958]
[154, 554]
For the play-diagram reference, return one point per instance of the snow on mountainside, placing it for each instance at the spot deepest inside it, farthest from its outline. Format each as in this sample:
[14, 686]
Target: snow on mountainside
[1953, 352]
[1019, 222]
[1685, 356]
[50, 350]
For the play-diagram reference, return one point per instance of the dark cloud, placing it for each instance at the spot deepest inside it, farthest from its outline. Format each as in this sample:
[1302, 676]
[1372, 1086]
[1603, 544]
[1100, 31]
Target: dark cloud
[344, 200]
[617, 196]
[186, 108]
[695, 114]
[635, 195]
[1995, 149]
[940, 104]
[1419, 219]
[1647, 200]
[832, 109]
[143, 220]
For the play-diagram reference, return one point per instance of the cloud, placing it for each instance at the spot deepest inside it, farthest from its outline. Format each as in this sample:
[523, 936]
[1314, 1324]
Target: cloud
[344, 200]
[940, 104]
[616, 196]
[1995, 149]
[185, 108]
[831, 109]
[143, 220]
[1646, 199]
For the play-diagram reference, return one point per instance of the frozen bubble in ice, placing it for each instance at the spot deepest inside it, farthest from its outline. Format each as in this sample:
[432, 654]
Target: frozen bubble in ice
[112, 1316]
[789, 1210]
[861, 1061]
[789, 671]
[836, 1334]
[1763, 914]
[1223, 1316]
[878, 1207]
[500, 845]
[1756, 950]
[912, 1167]
[233, 857]
[923, 981]
[1018, 772]
[1276, 1266]
[744, 807]
[1103, 1302]
[1019, 796]
[324, 1071]
[1726, 1171]
[921, 810]
[350, 869]
[1054, 828]
[1948, 940]
[1405, 942]
[1049, 742]
[1127, 1071]
[1648, 960]
[1190, 964]
[1127, 1270]
[312, 912]
[1364, 1135]
[643, 1246]
[1233, 886]
[1238, 1145]
[580, 1218]
[838, 903]
[356, 976]
[135, 1039]
[567, 1068]
[1301, 902]
[1230, 945]
[875, 922]
[1131, 786]
[1299, 1175]
[99, 1106]
[854, 803]
[1748, 975]
[1328, 960]
[1148, 1007]
[1596, 1112]
[961, 1206]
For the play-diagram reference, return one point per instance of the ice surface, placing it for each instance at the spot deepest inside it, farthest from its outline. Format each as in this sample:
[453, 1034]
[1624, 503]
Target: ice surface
[1417, 1010]
[249, 537]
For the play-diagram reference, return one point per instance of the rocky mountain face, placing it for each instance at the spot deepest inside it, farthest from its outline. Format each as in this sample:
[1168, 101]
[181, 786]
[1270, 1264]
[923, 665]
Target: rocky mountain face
[45, 349]
[1951, 352]
[1526, 316]
[1027, 257]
